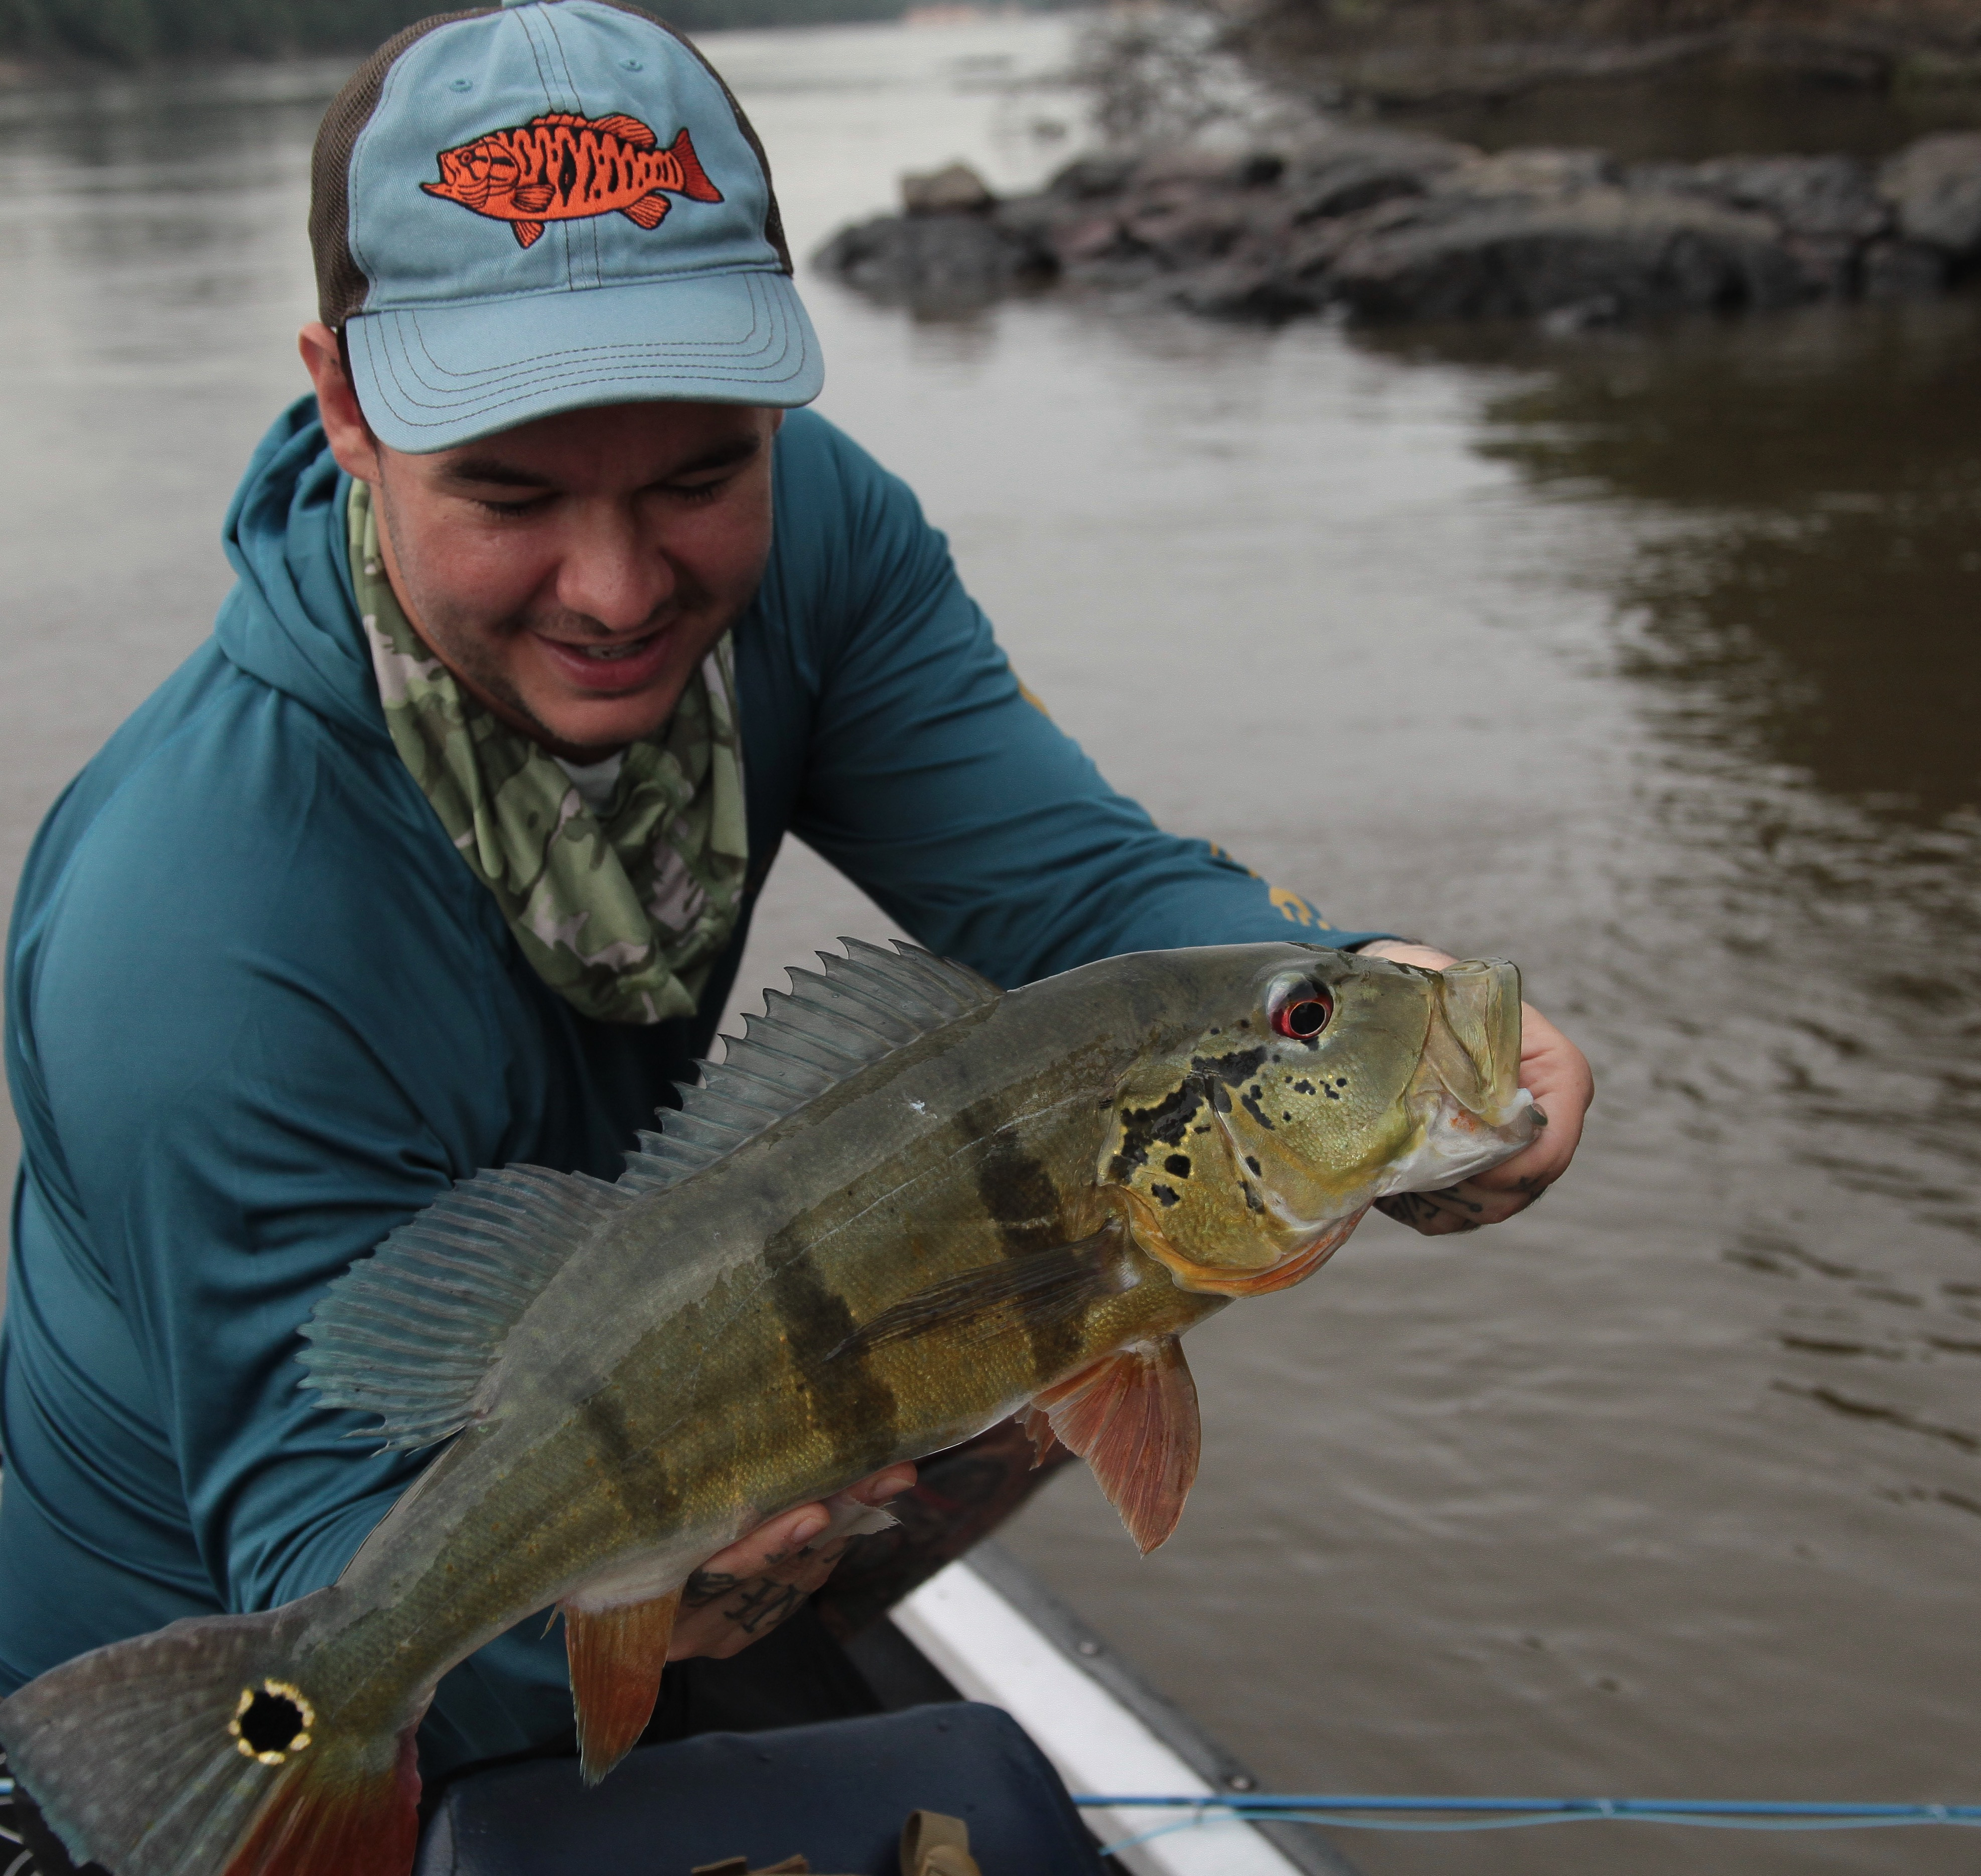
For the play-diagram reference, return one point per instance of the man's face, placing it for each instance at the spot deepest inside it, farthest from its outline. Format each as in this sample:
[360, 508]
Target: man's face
[574, 573]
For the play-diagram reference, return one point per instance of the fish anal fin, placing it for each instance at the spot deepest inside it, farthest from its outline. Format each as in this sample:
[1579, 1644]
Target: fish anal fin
[1133, 1418]
[1040, 1287]
[628, 129]
[527, 233]
[616, 1656]
[695, 185]
[533, 197]
[1038, 1430]
[647, 211]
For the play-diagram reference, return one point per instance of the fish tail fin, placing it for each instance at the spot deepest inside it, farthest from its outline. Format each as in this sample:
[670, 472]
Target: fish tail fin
[695, 185]
[200, 1752]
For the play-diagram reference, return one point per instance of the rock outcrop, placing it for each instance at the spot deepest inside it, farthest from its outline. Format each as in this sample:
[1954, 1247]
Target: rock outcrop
[1386, 225]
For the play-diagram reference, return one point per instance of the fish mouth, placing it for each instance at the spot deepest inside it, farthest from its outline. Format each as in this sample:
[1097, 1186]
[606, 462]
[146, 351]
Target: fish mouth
[1466, 1095]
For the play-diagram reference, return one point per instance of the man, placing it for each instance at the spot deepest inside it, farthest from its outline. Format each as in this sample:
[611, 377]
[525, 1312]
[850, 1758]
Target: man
[556, 612]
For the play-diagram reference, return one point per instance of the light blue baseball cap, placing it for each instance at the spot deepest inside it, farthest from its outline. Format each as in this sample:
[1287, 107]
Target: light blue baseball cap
[546, 205]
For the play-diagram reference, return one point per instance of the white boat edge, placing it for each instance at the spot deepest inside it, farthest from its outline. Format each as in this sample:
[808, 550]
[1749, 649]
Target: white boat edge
[990, 1647]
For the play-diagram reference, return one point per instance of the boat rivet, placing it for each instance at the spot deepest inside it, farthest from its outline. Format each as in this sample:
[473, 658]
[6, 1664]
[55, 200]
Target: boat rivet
[1090, 1647]
[1238, 1782]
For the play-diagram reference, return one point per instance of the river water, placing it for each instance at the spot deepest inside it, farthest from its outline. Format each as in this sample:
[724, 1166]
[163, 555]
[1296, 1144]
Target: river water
[1646, 658]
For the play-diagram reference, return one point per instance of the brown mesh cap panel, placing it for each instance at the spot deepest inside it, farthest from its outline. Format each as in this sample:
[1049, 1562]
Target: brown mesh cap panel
[773, 221]
[340, 287]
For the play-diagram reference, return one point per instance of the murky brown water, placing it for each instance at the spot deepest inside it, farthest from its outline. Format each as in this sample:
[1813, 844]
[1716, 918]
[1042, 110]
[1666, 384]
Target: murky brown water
[1650, 659]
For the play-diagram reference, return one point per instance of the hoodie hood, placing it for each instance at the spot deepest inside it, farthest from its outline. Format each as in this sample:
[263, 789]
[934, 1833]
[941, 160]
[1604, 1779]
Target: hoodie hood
[291, 620]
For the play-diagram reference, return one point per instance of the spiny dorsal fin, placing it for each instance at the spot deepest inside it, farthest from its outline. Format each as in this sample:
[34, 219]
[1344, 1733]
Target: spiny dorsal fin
[865, 1005]
[410, 1332]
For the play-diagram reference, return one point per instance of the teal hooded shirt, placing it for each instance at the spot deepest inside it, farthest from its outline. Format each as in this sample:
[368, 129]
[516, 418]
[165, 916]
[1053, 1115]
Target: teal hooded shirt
[259, 1012]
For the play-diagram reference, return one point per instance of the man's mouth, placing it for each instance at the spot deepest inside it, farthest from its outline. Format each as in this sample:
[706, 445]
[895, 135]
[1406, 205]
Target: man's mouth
[609, 665]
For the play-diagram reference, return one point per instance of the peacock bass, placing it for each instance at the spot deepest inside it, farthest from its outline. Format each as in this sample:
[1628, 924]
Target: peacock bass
[906, 1206]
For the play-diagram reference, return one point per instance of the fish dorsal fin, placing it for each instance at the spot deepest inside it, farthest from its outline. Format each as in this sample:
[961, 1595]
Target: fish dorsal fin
[411, 1332]
[828, 1027]
[627, 130]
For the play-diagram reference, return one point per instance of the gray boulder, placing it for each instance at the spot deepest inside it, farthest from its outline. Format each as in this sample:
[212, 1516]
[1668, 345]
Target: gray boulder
[1935, 185]
[935, 259]
[1625, 252]
[1821, 198]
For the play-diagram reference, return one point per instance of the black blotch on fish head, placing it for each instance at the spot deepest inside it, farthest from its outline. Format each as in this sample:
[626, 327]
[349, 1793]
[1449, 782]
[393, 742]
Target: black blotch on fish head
[1250, 1098]
[1253, 1202]
[1164, 1123]
[1178, 1164]
[1253, 1164]
[1166, 1193]
[1303, 1086]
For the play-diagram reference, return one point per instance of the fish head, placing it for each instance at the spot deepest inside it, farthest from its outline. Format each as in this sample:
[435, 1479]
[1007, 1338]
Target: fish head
[1246, 1150]
[473, 173]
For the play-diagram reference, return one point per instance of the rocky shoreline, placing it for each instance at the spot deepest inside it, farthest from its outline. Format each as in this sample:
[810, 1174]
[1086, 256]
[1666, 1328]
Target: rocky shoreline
[1385, 225]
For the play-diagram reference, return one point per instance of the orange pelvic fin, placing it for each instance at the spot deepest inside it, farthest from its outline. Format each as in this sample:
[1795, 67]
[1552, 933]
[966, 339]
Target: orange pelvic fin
[526, 232]
[1133, 1418]
[695, 185]
[647, 211]
[616, 1656]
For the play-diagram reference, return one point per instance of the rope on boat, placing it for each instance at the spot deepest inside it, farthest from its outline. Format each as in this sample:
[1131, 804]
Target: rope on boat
[1341, 1812]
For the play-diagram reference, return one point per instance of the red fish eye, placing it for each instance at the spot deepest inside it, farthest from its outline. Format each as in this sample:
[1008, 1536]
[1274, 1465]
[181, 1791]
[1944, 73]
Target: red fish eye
[1303, 1018]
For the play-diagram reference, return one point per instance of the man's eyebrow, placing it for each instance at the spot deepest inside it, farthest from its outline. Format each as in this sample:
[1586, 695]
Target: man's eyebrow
[723, 455]
[485, 470]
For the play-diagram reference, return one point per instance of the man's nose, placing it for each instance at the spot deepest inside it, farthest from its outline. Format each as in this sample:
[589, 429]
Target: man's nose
[612, 571]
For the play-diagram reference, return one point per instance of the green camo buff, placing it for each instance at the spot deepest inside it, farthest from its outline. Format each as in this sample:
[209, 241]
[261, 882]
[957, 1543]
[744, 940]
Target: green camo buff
[621, 914]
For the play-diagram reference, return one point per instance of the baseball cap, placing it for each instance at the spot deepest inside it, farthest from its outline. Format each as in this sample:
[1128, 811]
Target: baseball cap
[535, 207]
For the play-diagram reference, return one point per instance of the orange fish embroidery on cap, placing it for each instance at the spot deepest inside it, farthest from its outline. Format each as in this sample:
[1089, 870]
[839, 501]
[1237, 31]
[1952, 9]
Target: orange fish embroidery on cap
[560, 167]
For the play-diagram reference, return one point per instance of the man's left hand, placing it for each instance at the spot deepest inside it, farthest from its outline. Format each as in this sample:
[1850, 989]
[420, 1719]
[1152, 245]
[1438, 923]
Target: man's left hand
[1554, 1072]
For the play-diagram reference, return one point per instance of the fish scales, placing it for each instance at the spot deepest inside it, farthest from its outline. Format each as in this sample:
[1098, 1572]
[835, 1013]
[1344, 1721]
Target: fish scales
[988, 1216]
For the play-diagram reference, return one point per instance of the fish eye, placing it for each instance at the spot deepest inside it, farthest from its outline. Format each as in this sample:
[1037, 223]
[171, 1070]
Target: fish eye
[1303, 1014]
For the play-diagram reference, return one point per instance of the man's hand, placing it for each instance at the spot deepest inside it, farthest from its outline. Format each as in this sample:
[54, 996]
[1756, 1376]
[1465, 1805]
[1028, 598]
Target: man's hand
[1554, 1072]
[743, 1593]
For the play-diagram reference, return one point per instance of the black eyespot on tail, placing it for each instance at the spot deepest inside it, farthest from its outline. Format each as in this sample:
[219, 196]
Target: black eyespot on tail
[272, 1721]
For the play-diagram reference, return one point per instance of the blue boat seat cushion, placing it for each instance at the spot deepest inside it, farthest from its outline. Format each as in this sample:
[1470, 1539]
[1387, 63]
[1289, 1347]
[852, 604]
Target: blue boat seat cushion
[838, 1793]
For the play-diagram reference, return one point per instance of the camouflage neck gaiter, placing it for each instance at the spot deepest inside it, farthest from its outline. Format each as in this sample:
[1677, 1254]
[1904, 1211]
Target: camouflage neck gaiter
[622, 911]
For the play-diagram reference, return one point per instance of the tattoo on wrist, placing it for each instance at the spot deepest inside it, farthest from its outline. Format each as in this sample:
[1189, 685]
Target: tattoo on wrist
[753, 1603]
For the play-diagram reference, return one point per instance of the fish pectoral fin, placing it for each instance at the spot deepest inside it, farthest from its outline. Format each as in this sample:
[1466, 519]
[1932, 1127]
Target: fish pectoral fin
[1038, 1430]
[1035, 1290]
[647, 211]
[626, 129]
[533, 197]
[1133, 1418]
[616, 1656]
[526, 232]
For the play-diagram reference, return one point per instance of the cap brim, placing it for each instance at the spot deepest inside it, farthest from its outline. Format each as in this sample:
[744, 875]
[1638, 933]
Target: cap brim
[433, 377]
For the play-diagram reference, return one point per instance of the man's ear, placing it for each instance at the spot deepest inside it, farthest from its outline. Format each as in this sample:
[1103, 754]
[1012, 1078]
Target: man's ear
[351, 441]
